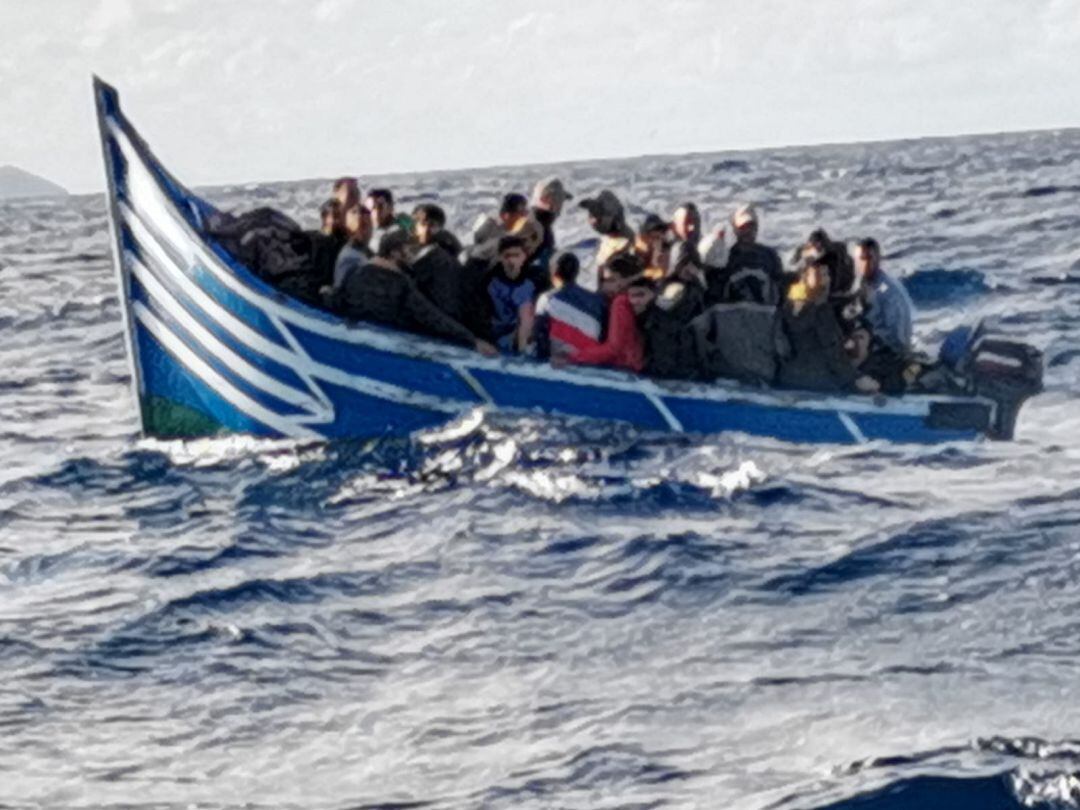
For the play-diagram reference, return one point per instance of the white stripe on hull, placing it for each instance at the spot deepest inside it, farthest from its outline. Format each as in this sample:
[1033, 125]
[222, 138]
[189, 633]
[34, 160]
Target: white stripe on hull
[285, 425]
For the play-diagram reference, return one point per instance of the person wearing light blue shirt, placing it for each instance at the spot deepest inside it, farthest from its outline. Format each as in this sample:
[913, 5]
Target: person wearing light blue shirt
[889, 308]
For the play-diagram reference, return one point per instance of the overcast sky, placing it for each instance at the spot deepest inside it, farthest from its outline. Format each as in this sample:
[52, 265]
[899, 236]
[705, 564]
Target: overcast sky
[238, 90]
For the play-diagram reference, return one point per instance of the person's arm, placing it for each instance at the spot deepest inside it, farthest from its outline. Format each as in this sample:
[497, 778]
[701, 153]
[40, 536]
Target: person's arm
[896, 317]
[526, 324]
[433, 319]
[542, 336]
[347, 261]
[421, 273]
[904, 318]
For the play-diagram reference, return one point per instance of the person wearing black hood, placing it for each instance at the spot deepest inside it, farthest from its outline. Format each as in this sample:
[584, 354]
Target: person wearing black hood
[436, 269]
[608, 218]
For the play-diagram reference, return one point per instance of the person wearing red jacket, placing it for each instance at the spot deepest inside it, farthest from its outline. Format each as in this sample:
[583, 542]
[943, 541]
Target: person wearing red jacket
[623, 346]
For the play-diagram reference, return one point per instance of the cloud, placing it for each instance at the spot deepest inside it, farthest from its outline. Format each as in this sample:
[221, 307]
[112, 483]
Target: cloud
[108, 17]
[408, 84]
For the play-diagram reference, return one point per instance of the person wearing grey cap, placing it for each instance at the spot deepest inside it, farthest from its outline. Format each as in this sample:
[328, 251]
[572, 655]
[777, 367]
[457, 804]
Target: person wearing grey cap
[608, 218]
[548, 198]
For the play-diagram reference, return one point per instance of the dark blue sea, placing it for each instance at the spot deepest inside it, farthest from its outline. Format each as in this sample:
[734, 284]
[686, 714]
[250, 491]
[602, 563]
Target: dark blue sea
[531, 613]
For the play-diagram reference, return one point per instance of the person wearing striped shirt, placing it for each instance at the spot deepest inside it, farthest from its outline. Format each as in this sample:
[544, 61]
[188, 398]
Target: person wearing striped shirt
[569, 317]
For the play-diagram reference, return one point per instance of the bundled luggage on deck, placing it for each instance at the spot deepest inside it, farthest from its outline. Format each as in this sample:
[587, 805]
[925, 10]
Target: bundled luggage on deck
[273, 245]
[741, 341]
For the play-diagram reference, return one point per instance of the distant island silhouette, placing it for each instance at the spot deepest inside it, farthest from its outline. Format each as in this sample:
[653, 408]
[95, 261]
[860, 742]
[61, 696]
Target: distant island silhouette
[16, 183]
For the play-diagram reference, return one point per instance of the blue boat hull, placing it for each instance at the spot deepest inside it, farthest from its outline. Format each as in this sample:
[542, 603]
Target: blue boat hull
[214, 349]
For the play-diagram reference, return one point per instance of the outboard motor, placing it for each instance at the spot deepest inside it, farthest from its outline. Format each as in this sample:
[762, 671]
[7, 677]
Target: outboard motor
[1004, 371]
[1007, 372]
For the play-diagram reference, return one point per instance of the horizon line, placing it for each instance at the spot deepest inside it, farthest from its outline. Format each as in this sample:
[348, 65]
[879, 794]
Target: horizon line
[616, 158]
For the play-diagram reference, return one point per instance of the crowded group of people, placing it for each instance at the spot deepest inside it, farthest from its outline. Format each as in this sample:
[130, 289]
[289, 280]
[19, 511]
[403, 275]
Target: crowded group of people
[672, 301]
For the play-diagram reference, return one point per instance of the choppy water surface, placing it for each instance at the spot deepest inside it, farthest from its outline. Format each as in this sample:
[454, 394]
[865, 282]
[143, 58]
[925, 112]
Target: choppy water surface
[542, 614]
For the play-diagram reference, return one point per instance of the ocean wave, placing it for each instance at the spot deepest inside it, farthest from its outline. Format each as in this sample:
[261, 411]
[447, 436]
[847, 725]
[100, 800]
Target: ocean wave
[528, 611]
[939, 287]
[1049, 191]
[1010, 772]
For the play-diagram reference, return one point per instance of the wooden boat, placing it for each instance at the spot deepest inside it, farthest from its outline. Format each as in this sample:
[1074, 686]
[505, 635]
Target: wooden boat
[214, 349]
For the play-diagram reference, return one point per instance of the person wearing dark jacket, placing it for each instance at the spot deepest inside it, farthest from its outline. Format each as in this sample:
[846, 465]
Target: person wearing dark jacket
[328, 241]
[837, 258]
[877, 361]
[436, 269]
[548, 198]
[664, 318]
[686, 225]
[323, 247]
[381, 291]
[818, 360]
[754, 272]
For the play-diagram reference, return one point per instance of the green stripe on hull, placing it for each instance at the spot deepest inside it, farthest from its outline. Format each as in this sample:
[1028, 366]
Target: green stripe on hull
[166, 419]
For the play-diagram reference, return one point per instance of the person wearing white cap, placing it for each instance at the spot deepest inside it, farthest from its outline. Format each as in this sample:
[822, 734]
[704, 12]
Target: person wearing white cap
[754, 272]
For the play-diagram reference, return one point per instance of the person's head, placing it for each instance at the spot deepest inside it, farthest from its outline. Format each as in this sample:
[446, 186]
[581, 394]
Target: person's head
[512, 255]
[641, 295]
[393, 246]
[330, 217]
[513, 209]
[550, 195]
[358, 223]
[819, 240]
[815, 278]
[653, 229]
[565, 269]
[606, 213]
[867, 258]
[745, 222]
[428, 220]
[380, 202]
[811, 251]
[346, 191]
[857, 345]
[619, 272]
[686, 223]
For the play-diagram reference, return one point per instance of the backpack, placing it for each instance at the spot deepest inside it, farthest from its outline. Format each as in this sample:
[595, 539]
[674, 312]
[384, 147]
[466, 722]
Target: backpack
[751, 285]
